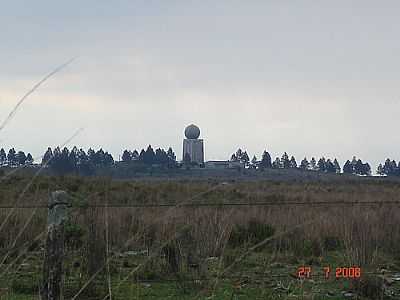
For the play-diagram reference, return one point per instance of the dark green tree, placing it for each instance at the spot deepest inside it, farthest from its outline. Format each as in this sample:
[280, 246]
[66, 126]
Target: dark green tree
[126, 156]
[348, 168]
[322, 164]
[29, 159]
[330, 166]
[337, 166]
[277, 164]
[3, 157]
[149, 156]
[135, 155]
[285, 162]
[48, 156]
[12, 157]
[292, 163]
[304, 165]
[380, 170]
[313, 164]
[266, 160]
[20, 158]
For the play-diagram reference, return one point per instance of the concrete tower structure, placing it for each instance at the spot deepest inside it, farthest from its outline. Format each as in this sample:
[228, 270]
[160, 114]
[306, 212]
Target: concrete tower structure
[193, 147]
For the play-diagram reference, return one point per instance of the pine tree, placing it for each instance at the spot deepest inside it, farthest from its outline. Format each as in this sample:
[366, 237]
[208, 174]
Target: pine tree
[20, 158]
[245, 158]
[330, 166]
[387, 168]
[277, 164]
[313, 164]
[12, 157]
[3, 157]
[321, 164]
[48, 156]
[285, 161]
[126, 156]
[149, 156]
[348, 167]
[359, 167]
[234, 157]
[337, 166]
[304, 164]
[380, 170]
[108, 159]
[91, 156]
[266, 160]
[292, 163]
[135, 155]
[239, 154]
[29, 159]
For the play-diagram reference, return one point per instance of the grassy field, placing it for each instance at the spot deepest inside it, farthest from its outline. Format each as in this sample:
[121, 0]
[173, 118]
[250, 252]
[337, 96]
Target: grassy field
[212, 249]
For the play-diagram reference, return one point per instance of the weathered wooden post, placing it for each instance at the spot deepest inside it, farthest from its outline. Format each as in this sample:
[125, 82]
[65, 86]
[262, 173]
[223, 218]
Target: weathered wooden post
[52, 286]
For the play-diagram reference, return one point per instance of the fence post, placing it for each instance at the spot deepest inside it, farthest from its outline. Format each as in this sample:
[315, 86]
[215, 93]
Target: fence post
[52, 286]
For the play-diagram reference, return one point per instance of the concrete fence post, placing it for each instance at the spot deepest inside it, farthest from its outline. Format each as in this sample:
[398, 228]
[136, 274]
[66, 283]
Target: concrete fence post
[52, 285]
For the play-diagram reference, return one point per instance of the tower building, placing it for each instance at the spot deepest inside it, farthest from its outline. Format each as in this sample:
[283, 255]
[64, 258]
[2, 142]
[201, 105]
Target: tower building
[193, 147]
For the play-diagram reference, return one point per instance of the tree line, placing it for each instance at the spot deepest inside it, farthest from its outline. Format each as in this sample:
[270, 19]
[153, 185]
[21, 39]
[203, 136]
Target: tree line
[326, 165]
[12, 158]
[83, 162]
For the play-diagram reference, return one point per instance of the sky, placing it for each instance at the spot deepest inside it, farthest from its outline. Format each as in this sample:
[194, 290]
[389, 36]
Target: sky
[313, 78]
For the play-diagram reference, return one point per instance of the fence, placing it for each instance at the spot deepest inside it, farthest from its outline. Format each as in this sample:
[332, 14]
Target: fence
[100, 265]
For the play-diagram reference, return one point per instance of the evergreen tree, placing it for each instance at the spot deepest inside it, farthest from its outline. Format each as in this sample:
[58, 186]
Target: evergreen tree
[266, 160]
[171, 155]
[330, 166]
[73, 158]
[3, 157]
[366, 169]
[20, 158]
[348, 167]
[254, 162]
[142, 155]
[304, 165]
[277, 164]
[91, 156]
[126, 156]
[12, 157]
[380, 170]
[99, 158]
[48, 156]
[160, 157]
[359, 167]
[239, 154]
[83, 159]
[171, 158]
[337, 166]
[313, 164]
[245, 158]
[29, 159]
[85, 167]
[321, 164]
[234, 157]
[149, 156]
[285, 162]
[292, 163]
[135, 155]
[108, 160]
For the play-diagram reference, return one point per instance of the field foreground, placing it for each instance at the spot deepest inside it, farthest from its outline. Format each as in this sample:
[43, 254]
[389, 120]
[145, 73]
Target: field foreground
[205, 239]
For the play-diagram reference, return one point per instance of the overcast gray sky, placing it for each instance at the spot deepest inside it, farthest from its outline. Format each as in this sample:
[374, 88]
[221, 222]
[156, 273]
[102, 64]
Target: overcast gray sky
[311, 78]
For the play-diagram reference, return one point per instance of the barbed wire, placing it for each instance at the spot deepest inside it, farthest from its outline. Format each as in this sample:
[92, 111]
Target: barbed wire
[213, 204]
